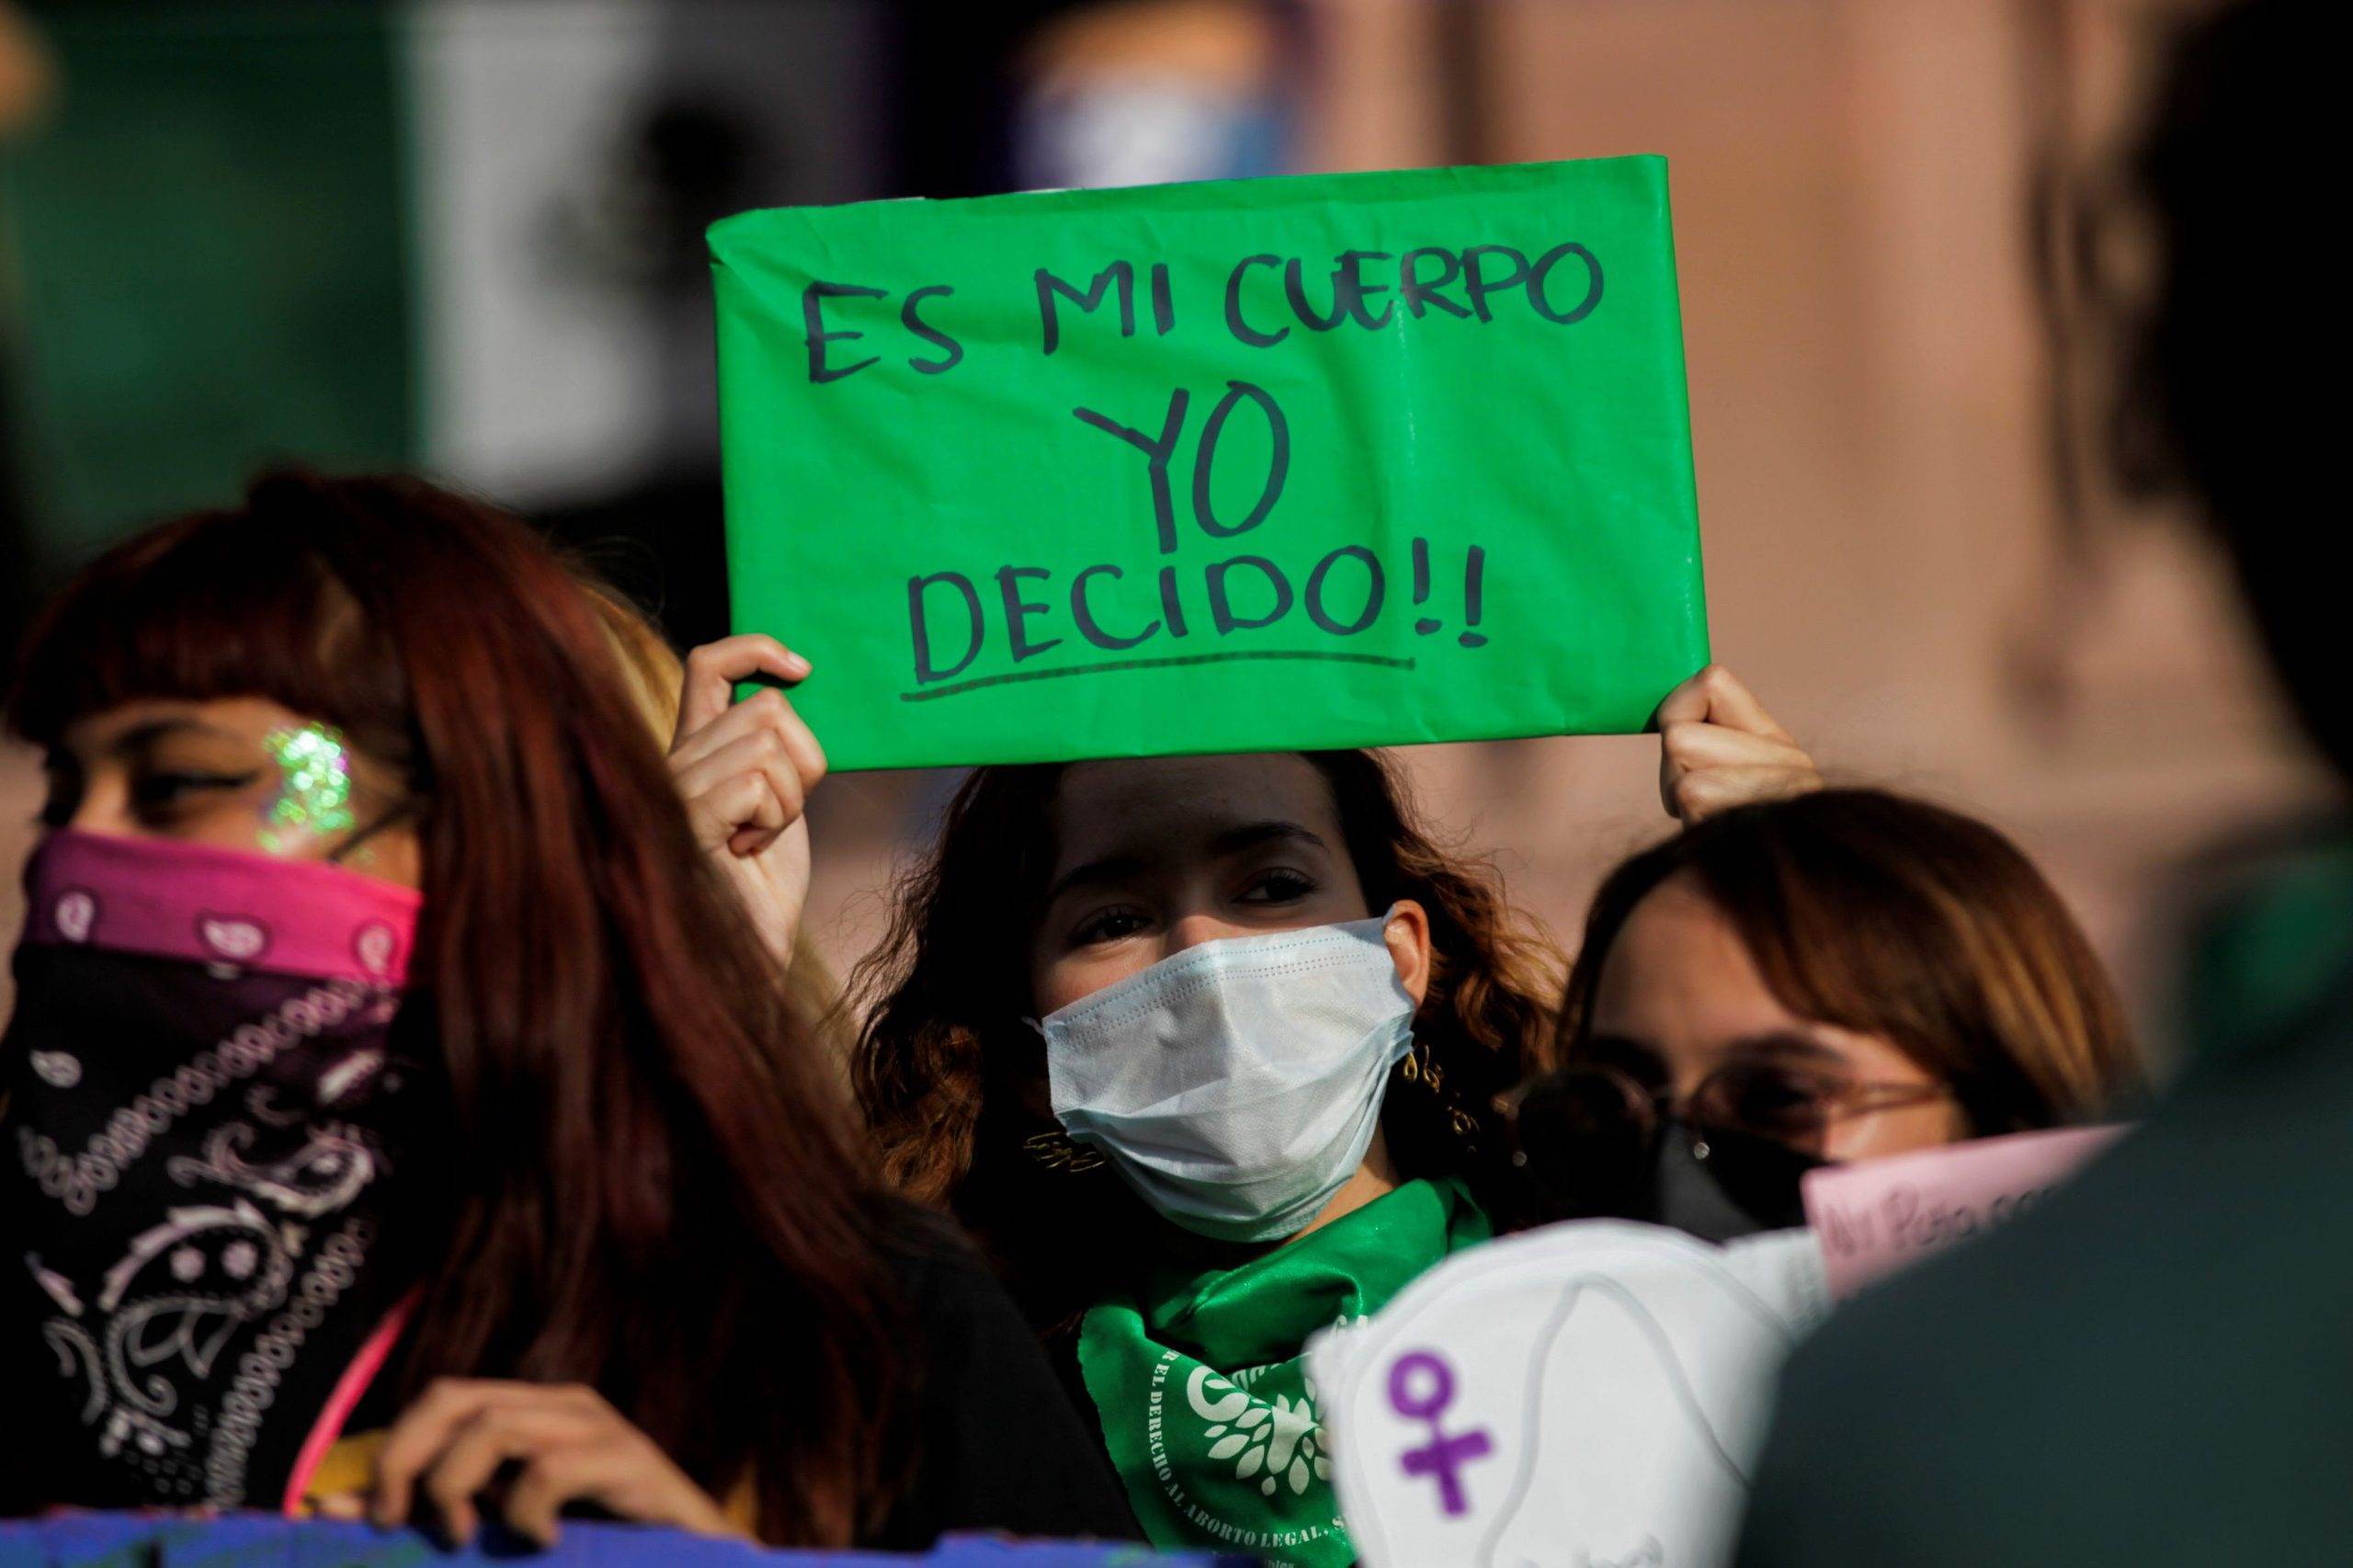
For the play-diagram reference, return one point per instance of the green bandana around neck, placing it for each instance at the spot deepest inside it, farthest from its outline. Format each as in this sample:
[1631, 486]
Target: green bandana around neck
[1200, 1379]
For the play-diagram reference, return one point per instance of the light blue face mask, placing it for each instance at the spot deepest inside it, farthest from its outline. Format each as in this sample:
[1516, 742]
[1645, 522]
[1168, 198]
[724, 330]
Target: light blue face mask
[1237, 1085]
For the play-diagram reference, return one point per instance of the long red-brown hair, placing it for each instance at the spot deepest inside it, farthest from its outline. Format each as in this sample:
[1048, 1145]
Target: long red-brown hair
[655, 1189]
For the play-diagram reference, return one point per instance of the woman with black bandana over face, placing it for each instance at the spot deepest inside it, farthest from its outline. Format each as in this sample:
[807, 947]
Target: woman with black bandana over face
[389, 1061]
[1795, 983]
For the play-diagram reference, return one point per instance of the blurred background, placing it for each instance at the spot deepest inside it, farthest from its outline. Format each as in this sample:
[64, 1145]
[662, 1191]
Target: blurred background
[465, 235]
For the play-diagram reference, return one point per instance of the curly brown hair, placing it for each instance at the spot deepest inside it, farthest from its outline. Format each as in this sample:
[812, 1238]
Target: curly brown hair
[952, 1076]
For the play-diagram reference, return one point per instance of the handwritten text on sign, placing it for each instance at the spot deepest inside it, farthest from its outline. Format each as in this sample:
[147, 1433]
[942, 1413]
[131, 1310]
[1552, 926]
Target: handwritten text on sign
[1345, 592]
[1875, 1216]
[1170, 431]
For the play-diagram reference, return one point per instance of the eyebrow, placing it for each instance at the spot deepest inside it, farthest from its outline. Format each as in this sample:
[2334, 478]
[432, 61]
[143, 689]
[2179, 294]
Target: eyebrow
[1784, 1042]
[1230, 841]
[139, 736]
[1095, 873]
[1249, 835]
[1781, 1042]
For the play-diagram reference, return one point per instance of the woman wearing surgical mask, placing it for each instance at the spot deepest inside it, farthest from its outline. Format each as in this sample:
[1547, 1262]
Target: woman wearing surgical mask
[1205, 1050]
[1808, 980]
[402, 1116]
[1197, 1047]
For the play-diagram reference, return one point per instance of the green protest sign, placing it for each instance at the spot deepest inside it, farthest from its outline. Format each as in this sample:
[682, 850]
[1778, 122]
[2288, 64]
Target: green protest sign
[1322, 461]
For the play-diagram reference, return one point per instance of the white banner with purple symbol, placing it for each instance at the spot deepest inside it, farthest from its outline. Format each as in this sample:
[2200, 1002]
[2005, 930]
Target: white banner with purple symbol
[1591, 1394]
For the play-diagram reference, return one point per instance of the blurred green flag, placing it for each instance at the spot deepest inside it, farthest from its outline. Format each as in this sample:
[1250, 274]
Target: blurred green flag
[207, 238]
[1320, 461]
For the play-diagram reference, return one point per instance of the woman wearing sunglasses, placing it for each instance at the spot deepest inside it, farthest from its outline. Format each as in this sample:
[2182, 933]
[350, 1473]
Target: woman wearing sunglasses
[1809, 980]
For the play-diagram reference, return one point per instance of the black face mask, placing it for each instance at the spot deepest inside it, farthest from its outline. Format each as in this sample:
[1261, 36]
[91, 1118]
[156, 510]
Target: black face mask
[1718, 1185]
[206, 1182]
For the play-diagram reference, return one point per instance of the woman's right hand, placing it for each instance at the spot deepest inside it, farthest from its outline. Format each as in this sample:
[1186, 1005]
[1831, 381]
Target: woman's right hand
[745, 770]
[554, 1446]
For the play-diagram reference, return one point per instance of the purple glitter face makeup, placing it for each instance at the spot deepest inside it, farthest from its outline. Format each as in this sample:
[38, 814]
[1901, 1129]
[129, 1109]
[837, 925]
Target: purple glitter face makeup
[314, 786]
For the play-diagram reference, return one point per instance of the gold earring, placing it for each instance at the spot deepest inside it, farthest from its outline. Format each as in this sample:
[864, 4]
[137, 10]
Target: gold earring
[1055, 1151]
[1421, 1066]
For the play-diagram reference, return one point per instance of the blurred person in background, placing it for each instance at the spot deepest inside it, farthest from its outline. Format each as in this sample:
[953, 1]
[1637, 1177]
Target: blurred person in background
[1152, 92]
[406, 1119]
[2153, 1365]
[1795, 983]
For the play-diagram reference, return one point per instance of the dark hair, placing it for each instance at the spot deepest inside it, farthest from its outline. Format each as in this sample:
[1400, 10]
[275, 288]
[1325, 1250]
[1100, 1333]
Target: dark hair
[1897, 918]
[655, 1189]
[947, 1069]
[2217, 401]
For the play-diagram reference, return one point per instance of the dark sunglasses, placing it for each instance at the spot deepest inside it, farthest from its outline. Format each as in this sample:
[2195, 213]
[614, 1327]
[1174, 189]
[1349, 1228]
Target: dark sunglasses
[1583, 1136]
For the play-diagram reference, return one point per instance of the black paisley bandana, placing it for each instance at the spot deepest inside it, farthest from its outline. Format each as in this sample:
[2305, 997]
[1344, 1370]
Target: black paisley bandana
[207, 1129]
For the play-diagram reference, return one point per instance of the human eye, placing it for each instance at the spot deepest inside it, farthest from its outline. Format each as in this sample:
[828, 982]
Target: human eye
[1775, 1099]
[1637, 1061]
[164, 792]
[1794, 1070]
[1107, 925]
[1276, 885]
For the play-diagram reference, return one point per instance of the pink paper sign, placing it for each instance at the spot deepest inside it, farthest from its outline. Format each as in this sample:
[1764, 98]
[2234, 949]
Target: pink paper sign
[1873, 1216]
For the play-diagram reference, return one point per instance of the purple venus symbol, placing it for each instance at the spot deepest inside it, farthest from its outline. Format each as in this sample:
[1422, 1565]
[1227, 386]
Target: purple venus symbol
[1421, 1385]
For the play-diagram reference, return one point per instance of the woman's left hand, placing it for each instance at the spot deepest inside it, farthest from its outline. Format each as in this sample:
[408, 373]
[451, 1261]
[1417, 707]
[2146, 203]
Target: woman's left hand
[1718, 747]
[745, 770]
[563, 1445]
